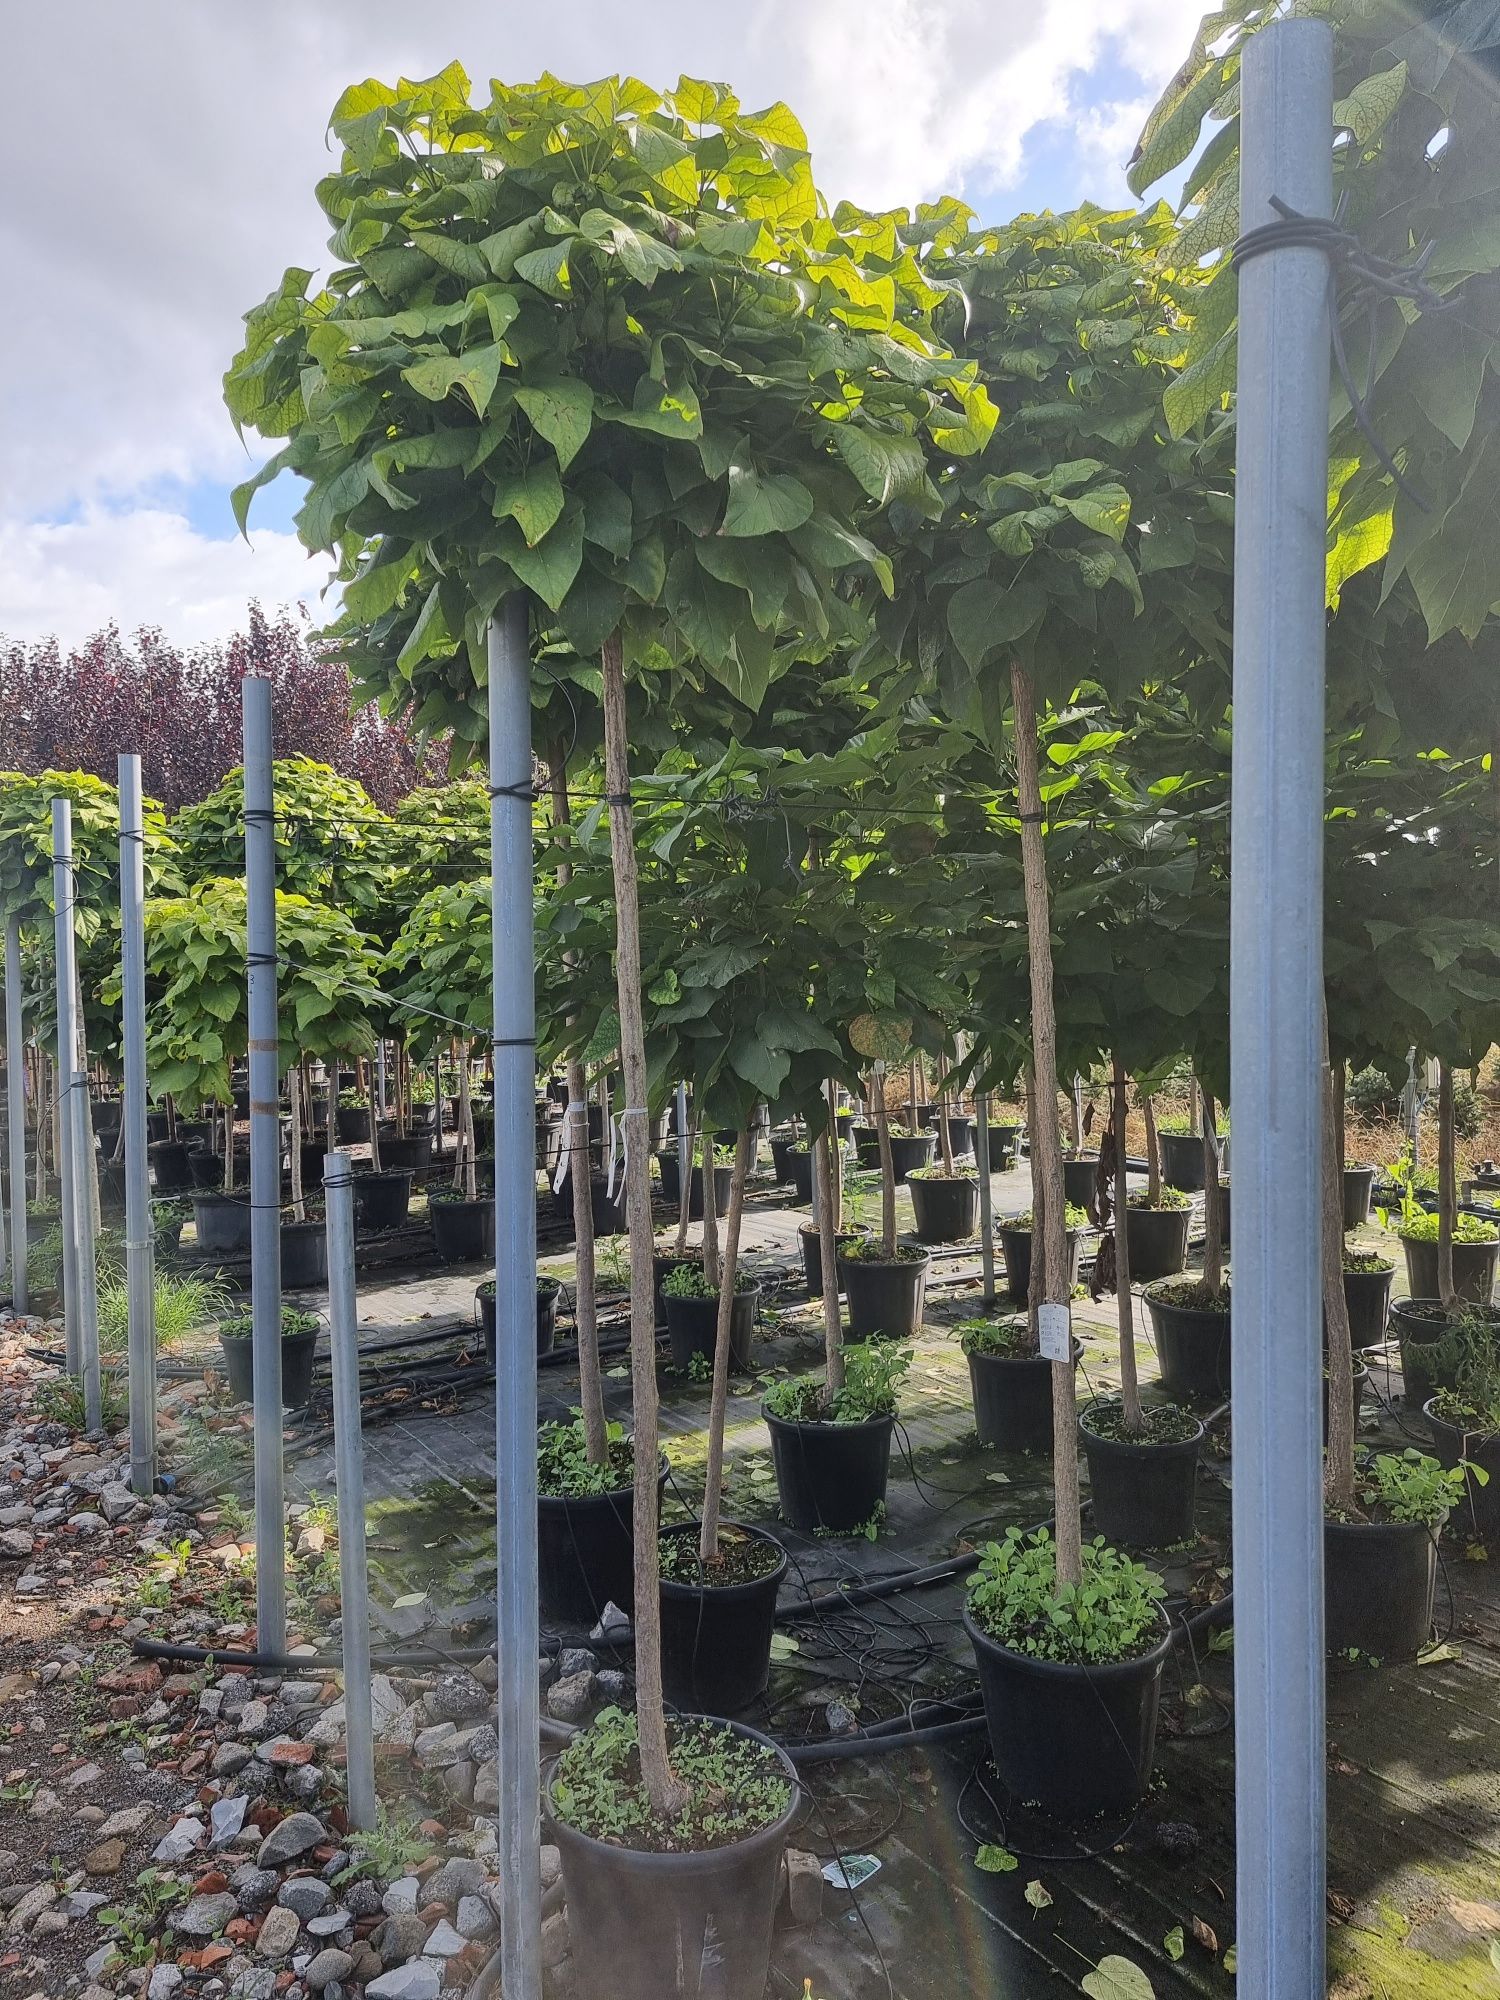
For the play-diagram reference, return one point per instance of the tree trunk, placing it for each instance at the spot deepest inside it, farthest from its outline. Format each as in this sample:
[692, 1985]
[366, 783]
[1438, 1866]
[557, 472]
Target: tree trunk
[713, 1488]
[711, 1268]
[1340, 1075]
[1213, 1221]
[470, 1166]
[1196, 1126]
[1153, 1153]
[1447, 1185]
[580, 1181]
[294, 1098]
[1338, 1346]
[1130, 1388]
[825, 1196]
[1035, 1288]
[685, 1188]
[366, 1075]
[229, 1143]
[662, 1786]
[945, 1137]
[887, 1167]
[1075, 1115]
[1048, 1176]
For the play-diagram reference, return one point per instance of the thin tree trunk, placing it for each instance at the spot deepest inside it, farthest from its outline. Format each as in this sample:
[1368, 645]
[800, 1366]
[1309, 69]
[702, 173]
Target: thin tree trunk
[826, 1174]
[710, 1212]
[1338, 1346]
[1075, 1115]
[1130, 1388]
[294, 1098]
[466, 1126]
[1052, 1243]
[713, 1488]
[1213, 1220]
[685, 1189]
[1447, 1186]
[887, 1167]
[229, 1142]
[43, 1125]
[913, 1124]
[945, 1137]
[366, 1074]
[1153, 1154]
[663, 1788]
[1340, 1075]
[580, 1179]
[1034, 1286]
[1195, 1122]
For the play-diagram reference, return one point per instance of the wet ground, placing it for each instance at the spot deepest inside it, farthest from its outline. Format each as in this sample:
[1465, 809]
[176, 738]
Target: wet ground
[1413, 1752]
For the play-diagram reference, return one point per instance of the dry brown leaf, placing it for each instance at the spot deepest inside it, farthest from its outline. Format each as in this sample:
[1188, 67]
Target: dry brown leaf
[1476, 1918]
[1205, 1936]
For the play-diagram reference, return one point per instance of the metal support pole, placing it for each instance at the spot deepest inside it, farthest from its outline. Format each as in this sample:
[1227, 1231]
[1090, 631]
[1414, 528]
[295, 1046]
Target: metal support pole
[349, 1477]
[986, 1204]
[1277, 1052]
[139, 1241]
[519, 1828]
[380, 1080]
[265, 1166]
[67, 1056]
[15, 1102]
[85, 1310]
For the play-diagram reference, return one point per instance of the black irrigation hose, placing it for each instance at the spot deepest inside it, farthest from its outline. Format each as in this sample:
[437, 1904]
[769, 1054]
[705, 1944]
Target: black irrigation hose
[147, 1648]
[835, 1749]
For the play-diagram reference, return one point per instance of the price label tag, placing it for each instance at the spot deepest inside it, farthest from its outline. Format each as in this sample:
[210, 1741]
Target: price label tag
[1054, 1325]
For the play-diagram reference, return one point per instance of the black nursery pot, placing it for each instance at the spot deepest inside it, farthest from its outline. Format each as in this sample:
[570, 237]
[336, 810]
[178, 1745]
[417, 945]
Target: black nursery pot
[171, 1165]
[945, 1211]
[671, 1187]
[1361, 1383]
[222, 1222]
[781, 1164]
[414, 1151]
[830, 1476]
[1182, 1160]
[674, 1926]
[909, 1153]
[693, 1323]
[463, 1231]
[1479, 1511]
[159, 1126]
[312, 1153]
[1143, 1491]
[547, 1291]
[1192, 1346]
[381, 1200]
[586, 1553]
[1079, 1177]
[1422, 1374]
[1015, 1247]
[304, 1256]
[1158, 1239]
[207, 1168]
[801, 1169]
[1359, 1185]
[112, 1183]
[663, 1264]
[866, 1146]
[352, 1123]
[1013, 1399]
[716, 1642]
[1378, 1579]
[1473, 1270]
[296, 1368]
[885, 1301]
[1078, 1740]
[1005, 1144]
[812, 1253]
[1367, 1294]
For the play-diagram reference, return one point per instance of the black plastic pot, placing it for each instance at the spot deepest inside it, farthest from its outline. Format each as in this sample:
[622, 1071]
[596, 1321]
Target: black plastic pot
[843, 1122]
[1158, 1239]
[607, 1210]
[304, 1256]
[296, 1368]
[547, 1293]
[1192, 1347]
[1367, 1294]
[352, 1123]
[1181, 1160]
[663, 1264]
[207, 1169]
[586, 1554]
[716, 1642]
[885, 1300]
[171, 1165]
[313, 1153]
[1077, 1740]
[194, 1131]
[241, 1100]
[866, 1145]
[1378, 1579]
[781, 1164]
[1421, 1374]
[812, 1253]
[1361, 1383]
[1359, 1185]
[1143, 1492]
[1013, 1399]
[1015, 1247]
[1224, 1211]
[1479, 1512]
[1473, 1270]
[1005, 1144]
[960, 1128]
[484, 1127]
[800, 1166]
[1079, 1177]
[414, 1151]
[381, 1200]
[158, 1126]
[671, 1187]
[693, 1323]
[463, 1231]
[112, 1183]
[674, 1926]
[946, 1211]
[830, 1476]
[166, 1228]
[222, 1222]
[909, 1153]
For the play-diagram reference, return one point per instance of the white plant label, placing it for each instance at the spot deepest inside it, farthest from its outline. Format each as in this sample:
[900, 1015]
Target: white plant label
[1054, 1326]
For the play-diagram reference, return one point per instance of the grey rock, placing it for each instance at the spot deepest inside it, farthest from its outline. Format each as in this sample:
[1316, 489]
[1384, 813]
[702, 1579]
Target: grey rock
[551, 1865]
[363, 1900]
[611, 1685]
[437, 1746]
[330, 1923]
[456, 1878]
[225, 1819]
[178, 1842]
[210, 1702]
[575, 1660]
[458, 1781]
[279, 1933]
[82, 1778]
[399, 1938]
[205, 1916]
[253, 1886]
[288, 1842]
[17, 1543]
[568, 1700]
[457, 1698]
[475, 1918]
[115, 1502]
[308, 1895]
[86, 1524]
[487, 1787]
[254, 1717]
[305, 1781]
[328, 1968]
[402, 1897]
[444, 1941]
[164, 1983]
[253, 1983]
[420, 1980]
[31, 1905]
[229, 1758]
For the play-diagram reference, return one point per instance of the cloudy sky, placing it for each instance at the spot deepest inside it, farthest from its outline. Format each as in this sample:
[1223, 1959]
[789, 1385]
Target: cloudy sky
[161, 159]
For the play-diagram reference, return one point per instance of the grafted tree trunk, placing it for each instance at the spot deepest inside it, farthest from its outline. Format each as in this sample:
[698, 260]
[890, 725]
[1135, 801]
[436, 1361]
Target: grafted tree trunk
[711, 1262]
[1338, 1352]
[887, 1166]
[366, 1075]
[1046, 1145]
[685, 1190]
[1213, 1221]
[1130, 1388]
[468, 1165]
[1447, 1186]
[1153, 1152]
[294, 1100]
[826, 1175]
[713, 1489]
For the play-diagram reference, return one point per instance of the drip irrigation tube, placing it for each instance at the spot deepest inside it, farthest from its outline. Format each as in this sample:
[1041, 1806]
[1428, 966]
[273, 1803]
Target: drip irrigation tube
[147, 1648]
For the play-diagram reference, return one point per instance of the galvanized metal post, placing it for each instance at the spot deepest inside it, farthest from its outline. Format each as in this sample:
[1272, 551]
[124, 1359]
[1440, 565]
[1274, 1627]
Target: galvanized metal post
[85, 1310]
[519, 1830]
[15, 1106]
[1277, 1056]
[986, 1202]
[139, 1240]
[265, 1165]
[349, 1477]
[64, 944]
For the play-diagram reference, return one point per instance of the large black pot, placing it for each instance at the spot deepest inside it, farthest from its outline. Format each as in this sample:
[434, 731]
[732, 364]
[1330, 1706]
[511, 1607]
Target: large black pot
[910, 1152]
[296, 1368]
[304, 1256]
[1005, 1144]
[1478, 1515]
[885, 1300]
[159, 1126]
[1078, 1740]
[1423, 1372]
[1015, 1247]
[716, 1641]
[463, 1231]
[207, 1169]
[781, 1165]
[607, 1210]
[586, 1553]
[1378, 1579]
[222, 1222]
[674, 1926]
[663, 1264]
[1158, 1239]
[830, 1476]
[1367, 1294]
[1013, 1399]
[1192, 1348]
[312, 1154]
[547, 1292]
[960, 1128]
[812, 1254]
[112, 1184]
[414, 1151]
[1079, 1177]
[352, 1123]
[195, 1131]
[800, 1167]
[1473, 1270]
[1359, 1184]
[1182, 1160]
[671, 1187]
[866, 1145]
[1360, 1384]
[171, 1165]
[1143, 1492]
[946, 1211]
[693, 1323]
[381, 1200]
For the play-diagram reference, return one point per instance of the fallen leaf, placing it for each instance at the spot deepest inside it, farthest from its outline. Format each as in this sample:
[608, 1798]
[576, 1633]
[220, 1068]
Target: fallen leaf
[1340, 1906]
[995, 1860]
[1116, 1978]
[1172, 1944]
[1434, 1655]
[783, 1646]
[1205, 1936]
[1038, 1897]
[1231, 1960]
[1474, 1917]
